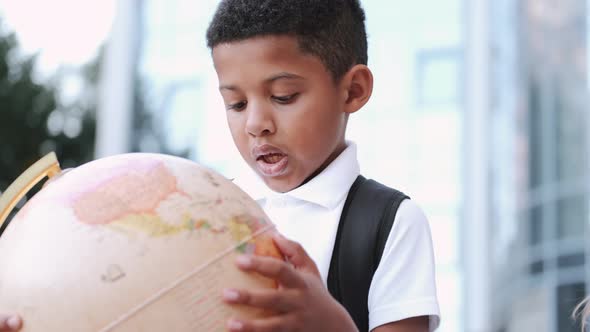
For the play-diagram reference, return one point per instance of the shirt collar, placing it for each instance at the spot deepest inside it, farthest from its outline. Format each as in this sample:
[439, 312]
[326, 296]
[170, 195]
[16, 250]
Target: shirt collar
[326, 189]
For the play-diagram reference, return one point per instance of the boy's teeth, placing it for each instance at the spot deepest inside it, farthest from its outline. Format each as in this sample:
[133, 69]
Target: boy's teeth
[272, 158]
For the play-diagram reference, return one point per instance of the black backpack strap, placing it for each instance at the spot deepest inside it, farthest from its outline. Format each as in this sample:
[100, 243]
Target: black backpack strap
[365, 223]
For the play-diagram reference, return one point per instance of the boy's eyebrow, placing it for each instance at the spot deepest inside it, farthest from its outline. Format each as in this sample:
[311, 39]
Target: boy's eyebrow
[283, 75]
[228, 87]
[273, 78]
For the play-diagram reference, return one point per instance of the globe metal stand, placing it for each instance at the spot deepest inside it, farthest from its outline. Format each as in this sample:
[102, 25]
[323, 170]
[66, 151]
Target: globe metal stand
[47, 166]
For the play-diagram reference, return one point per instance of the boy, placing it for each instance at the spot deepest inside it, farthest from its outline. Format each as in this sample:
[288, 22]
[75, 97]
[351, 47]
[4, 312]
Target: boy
[290, 73]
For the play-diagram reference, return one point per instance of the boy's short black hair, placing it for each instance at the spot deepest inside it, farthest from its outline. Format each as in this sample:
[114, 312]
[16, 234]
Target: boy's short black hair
[333, 30]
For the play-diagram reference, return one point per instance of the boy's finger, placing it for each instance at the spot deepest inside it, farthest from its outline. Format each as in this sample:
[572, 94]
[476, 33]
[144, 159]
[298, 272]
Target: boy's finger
[10, 323]
[295, 254]
[271, 324]
[271, 299]
[272, 268]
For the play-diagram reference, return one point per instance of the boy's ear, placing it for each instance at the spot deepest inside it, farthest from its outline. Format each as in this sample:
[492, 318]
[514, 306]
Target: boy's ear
[358, 86]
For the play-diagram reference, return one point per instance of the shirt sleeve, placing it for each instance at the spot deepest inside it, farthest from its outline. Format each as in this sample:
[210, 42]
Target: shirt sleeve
[404, 284]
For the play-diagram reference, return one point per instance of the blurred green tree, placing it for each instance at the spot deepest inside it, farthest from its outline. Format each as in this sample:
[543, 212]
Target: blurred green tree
[34, 120]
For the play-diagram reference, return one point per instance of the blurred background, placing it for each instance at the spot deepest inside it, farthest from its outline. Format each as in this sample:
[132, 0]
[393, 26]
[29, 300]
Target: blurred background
[480, 112]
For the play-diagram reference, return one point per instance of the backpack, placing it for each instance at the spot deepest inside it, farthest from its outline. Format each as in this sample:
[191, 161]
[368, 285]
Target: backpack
[366, 220]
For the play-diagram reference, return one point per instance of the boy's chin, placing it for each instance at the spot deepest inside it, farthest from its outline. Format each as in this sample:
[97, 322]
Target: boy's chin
[280, 185]
[285, 182]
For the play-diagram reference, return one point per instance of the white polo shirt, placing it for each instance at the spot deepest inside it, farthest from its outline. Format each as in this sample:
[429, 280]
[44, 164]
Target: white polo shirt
[403, 285]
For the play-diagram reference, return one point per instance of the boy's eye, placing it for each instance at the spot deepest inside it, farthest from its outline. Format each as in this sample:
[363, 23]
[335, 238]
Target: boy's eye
[237, 106]
[285, 99]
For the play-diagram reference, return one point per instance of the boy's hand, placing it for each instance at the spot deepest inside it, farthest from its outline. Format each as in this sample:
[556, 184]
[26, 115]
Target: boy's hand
[301, 302]
[9, 323]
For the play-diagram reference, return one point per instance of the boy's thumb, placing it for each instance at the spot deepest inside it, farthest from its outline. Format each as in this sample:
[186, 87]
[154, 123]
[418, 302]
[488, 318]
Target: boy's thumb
[10, 323]
[295, 254]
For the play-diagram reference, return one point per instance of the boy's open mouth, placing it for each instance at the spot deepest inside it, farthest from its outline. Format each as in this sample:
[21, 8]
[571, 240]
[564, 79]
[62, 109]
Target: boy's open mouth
[271, 158]
[270, 161]
[272, 164]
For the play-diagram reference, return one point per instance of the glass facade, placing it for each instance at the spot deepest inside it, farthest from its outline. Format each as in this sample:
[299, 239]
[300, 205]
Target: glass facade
[539, 167]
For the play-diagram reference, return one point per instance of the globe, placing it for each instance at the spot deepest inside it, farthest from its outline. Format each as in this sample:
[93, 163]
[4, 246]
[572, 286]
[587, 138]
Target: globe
[134, 242]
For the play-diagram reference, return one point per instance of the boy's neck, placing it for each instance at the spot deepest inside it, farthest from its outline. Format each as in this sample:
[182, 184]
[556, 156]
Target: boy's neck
[341, 147]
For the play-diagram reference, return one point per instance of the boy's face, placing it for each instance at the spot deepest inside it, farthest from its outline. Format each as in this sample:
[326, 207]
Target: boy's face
[286, 114]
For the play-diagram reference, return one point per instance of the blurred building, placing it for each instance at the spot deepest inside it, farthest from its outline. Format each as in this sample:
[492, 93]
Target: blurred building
[537, 110]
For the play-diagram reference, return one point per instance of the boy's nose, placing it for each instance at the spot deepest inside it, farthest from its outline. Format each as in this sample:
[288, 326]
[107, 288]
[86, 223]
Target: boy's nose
[260, 121]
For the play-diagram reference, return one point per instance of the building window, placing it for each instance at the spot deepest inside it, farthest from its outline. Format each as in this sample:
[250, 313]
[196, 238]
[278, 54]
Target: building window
[535, 124]
[568, 296]
[572, 215]
[571, 260]
[437, 77]
[535, 225]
